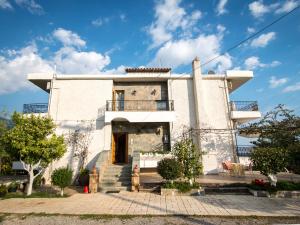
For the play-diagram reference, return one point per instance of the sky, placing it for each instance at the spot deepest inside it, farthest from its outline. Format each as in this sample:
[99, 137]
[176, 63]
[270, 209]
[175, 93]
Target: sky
[104, 37]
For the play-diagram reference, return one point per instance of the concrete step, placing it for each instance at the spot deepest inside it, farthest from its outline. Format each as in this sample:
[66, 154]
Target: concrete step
[117, 183]
[117, 172]
[114, 189]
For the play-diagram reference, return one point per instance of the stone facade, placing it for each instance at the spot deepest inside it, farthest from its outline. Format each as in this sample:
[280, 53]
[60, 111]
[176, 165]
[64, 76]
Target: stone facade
[144, 137]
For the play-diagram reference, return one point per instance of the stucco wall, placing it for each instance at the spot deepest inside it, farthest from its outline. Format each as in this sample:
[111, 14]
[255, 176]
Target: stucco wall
[75, 104]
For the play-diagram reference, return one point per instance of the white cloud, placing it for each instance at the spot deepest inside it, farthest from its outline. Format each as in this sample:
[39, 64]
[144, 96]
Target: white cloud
[169, 17]
[100, 21]
[263, 40]
[250, 30]
[15, 64]
[123, 17]
[259, 9]
[13, 70]
[292, 88]
[182, 52]
[70, 61]
[31, 6]
[253, 62]
[118, 70]
[5, 4]
[68, 38]
[287, 6]
[274, 82]
[221, 7]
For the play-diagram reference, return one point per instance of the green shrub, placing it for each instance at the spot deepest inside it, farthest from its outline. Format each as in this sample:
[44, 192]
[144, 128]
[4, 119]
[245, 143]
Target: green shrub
[181, 186]
[269, 160]
[3, 190]
[13, 187]
[37, 182]
[62, 177]
[169, 169]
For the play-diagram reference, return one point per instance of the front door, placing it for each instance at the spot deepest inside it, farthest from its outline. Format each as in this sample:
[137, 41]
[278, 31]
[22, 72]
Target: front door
[119, 148]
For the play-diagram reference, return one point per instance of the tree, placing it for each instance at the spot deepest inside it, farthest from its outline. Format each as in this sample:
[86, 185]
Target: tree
[62, 177]
[269, 161]
[279, 128]
[33, 142]
[189, 157]
[4, 126]
[169, 169]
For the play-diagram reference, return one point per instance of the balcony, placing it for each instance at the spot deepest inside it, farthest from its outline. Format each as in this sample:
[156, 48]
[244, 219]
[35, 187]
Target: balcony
[140, 111]
[35, 108]
[244, 111]
[140, 105]
[244, 150]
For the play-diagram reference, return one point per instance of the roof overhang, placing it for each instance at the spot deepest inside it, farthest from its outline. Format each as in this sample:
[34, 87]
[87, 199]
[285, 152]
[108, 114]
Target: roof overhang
[40, 80]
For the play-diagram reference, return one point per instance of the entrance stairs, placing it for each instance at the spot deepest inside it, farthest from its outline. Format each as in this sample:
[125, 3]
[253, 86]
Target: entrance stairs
[116, 178]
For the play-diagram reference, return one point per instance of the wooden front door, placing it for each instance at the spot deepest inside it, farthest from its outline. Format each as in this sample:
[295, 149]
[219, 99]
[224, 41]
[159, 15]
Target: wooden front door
[119, 148]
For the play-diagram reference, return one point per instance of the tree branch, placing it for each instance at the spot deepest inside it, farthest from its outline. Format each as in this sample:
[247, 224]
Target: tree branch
[25, 166]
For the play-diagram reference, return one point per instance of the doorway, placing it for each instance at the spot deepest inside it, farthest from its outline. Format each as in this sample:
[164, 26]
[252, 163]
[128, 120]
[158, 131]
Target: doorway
[120, 148]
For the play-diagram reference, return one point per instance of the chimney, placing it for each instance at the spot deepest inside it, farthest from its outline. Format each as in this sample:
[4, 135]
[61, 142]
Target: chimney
[196, 67]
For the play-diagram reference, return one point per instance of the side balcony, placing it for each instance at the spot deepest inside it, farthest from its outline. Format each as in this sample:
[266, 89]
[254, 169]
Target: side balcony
[35, 108]
[244, 111]
[140, 111]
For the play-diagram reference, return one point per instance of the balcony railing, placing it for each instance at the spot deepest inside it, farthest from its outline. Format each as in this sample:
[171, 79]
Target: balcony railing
[140, 105]
[35, 108]
[244, 150]
[244, 105]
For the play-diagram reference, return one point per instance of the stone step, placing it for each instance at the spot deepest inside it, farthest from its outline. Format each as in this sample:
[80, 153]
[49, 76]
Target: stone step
[117, 183]
[114, 179]
[114, 189]
[227, 191]
[116, 172]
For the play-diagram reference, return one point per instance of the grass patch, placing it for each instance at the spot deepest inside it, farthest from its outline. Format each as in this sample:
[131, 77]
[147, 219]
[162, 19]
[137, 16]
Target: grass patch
[2, 218]
[33, 195]
[181, 186]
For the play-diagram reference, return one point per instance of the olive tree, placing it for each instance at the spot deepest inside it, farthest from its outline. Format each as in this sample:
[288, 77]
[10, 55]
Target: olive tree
[62, 177]
[33, 142]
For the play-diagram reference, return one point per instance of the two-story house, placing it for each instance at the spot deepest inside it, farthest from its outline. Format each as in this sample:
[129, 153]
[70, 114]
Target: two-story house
[145, 110]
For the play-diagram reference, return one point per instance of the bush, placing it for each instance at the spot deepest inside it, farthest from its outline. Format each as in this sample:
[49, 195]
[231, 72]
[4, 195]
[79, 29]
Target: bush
[3, 190]
[62, 177]
[13, 187]
[181, 186]
[37, 182]
[269, 160]
[169, 169]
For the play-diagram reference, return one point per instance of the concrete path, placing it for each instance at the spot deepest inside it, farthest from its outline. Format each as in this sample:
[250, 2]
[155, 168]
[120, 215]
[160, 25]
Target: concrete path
[128, 203]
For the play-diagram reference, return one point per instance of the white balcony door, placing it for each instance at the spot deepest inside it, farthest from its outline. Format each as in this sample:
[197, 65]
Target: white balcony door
[119, 100]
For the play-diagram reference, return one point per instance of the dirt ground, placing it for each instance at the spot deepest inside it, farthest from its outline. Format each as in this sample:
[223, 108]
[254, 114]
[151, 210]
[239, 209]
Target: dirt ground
[140, 220]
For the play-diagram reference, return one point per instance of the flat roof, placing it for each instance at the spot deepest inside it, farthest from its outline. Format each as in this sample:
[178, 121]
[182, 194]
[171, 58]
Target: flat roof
[147, 70]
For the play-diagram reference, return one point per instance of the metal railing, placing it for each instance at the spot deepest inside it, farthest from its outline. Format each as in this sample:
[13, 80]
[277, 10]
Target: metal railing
[35, 108]
[244, 150]
[244, 105]
[140, 105]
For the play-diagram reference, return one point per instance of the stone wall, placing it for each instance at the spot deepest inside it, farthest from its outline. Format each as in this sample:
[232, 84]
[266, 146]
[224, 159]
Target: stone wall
[144, 137]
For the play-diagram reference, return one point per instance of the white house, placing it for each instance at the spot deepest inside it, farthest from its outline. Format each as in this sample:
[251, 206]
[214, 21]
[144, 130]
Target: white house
[145, 110]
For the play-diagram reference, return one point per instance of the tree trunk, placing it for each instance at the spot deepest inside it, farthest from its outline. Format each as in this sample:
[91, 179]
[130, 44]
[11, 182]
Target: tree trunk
[30, 182]
[191, 182]
[61, 192]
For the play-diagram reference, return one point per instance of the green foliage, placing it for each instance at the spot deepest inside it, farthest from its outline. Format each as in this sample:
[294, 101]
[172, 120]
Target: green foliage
[3, 190]
[189, 157]
[294, 158]
[13, 186]
[32, 139]
[169, 169]
[181, 186]
[62, 177]
[269, 160]
[37, 182]
[280, 186]
[84, 172]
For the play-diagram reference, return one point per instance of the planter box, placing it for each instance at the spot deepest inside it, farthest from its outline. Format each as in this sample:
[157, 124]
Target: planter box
[278, 194]
[259, 193]
[175, 192]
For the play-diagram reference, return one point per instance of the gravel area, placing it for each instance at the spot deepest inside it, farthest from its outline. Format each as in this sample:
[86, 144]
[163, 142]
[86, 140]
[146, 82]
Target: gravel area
[157, 220]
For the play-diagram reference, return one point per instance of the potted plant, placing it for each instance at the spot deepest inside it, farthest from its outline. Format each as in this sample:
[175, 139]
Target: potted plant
[83, 178]
[13, 187]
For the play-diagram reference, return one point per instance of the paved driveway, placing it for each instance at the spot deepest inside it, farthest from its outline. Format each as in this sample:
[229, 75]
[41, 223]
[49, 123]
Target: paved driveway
[128, 203]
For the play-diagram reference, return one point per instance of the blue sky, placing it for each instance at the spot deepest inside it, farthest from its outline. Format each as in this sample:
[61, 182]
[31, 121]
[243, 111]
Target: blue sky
[107, 36]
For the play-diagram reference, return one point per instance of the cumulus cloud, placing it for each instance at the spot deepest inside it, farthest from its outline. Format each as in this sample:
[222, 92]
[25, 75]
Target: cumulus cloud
[221, 7]
[31, 6]
[17, 64]
[259, 9]
[253, 62]
[263, 40]
[292, 88]
[287, 6]
[5, 4]
[68, 38]
[182, 52]
[100, 21]
[274, 82]
[70, 61]
[250, 30]
[169, 17]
